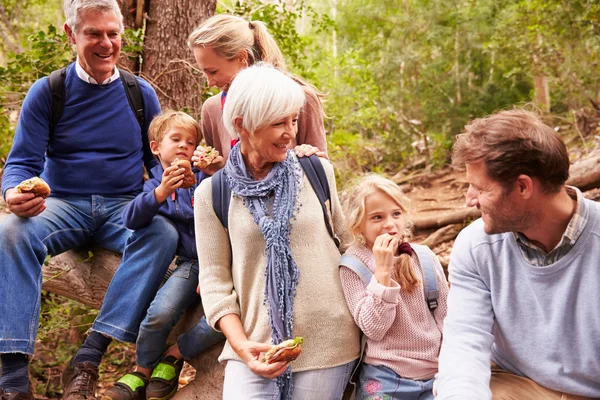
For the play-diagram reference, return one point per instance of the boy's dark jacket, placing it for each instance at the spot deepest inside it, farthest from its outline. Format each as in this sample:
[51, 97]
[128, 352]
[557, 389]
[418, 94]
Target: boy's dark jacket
[139, 213]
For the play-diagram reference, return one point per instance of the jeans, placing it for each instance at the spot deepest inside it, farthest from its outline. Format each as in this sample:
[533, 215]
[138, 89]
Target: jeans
[171, 301]
[382, 383]
[317, 384]
[71, 222]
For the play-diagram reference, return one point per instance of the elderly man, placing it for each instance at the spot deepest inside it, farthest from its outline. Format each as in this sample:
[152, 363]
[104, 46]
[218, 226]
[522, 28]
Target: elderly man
[93, 160]
[525, 277]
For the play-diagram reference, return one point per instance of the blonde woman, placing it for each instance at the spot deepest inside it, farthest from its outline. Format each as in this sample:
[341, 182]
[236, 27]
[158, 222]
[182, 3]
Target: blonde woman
[224, 45]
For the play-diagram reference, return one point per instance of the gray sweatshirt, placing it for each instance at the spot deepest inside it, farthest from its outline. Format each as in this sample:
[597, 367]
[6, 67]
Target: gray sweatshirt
[538, 322]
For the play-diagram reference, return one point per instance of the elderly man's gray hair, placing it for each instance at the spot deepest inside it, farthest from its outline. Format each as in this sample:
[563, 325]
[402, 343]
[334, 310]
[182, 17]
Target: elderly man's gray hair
[74, 9]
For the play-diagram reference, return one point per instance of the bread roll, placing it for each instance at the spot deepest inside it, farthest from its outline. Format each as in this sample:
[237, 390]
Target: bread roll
[35, 185]
[189, 179]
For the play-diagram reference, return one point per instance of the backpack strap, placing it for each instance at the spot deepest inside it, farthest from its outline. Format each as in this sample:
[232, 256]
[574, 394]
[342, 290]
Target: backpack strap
[56, 82]
[365, 274]
[221, 192]
[134, 95]
[357, 266]
[318, 179]
[221, 197]
[429, 279]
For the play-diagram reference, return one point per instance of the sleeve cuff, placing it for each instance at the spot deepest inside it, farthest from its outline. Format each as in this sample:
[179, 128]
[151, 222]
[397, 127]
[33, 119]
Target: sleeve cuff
[387, 294]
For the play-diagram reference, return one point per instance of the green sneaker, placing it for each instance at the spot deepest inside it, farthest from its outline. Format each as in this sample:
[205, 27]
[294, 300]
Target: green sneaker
[131, 386]
[165, 379]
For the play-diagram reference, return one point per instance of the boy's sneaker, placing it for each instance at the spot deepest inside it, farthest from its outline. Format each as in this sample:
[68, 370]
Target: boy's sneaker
[131, 386]
[79, 381]
[15, 395]
[165, 379]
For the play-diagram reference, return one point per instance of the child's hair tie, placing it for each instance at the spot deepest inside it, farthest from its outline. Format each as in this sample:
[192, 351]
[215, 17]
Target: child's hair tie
[405, 248]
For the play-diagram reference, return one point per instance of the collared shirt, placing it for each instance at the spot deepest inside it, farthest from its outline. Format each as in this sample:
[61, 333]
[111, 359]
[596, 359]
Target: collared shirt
[84, 76]
[536, 256]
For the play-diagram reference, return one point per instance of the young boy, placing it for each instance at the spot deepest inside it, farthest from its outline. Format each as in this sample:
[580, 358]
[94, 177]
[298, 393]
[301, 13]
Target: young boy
[173, 135]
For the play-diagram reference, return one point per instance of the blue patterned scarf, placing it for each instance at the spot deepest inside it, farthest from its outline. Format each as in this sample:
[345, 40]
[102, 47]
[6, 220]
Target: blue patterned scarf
[281, 184]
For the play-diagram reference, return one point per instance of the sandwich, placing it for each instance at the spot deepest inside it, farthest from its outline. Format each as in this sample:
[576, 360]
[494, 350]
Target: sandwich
[286, 351]
[206, 157]
[34, 185]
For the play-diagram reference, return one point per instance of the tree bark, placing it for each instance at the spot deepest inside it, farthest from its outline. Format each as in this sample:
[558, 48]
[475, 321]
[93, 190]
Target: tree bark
[167, 62]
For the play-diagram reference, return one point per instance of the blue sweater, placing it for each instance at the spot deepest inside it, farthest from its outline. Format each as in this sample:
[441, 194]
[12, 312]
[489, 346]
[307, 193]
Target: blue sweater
[538, 322]
[97, 146]
[144, 207]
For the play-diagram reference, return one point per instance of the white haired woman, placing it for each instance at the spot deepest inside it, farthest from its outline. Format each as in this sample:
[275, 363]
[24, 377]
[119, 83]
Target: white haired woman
[273, 274]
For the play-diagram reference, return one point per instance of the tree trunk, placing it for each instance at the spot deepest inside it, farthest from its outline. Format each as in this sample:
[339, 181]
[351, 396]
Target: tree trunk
[167, 62]
[542, 92]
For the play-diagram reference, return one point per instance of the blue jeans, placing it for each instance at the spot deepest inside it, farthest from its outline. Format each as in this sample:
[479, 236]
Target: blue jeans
[382, 383]
[68, 223]
[171, 301]
[317, 384]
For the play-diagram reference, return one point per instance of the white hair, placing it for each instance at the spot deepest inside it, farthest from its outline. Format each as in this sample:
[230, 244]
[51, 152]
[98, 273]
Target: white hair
[74, 9]
[261, 95]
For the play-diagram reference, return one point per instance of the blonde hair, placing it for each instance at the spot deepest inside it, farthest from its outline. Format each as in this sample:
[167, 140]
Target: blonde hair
[229, 35]
[356, 212]
[261, 95]
[162, 123]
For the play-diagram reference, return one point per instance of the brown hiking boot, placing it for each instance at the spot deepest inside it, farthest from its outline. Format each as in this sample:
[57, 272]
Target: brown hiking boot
[79, 381]
[15, 395]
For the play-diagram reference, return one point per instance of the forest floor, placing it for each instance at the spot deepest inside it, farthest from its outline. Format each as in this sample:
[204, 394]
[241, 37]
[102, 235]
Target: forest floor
[65, 321]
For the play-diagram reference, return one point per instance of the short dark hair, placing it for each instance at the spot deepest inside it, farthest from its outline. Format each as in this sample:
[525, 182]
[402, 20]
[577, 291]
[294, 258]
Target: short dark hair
[511, 143]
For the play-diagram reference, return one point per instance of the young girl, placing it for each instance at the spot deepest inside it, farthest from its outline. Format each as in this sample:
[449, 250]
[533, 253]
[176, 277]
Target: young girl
[223, 45]
[403, 336]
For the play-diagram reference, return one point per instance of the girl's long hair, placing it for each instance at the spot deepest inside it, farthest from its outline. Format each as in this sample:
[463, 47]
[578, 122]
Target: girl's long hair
[404, 273]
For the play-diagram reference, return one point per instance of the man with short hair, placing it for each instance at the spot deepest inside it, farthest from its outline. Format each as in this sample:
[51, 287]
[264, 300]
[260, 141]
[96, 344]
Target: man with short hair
[93, 161]
[525, 277]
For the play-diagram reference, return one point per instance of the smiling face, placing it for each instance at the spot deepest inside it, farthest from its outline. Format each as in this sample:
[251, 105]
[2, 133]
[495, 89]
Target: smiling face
[178, 142]
[218, 70]
[98, 42]
[269, 144]
[382, 215]
[501, 209]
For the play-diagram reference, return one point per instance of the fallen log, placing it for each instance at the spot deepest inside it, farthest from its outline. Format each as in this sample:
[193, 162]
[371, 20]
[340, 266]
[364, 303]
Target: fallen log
[444, 234]
[84, 276]
[437, 221]
[585, 174]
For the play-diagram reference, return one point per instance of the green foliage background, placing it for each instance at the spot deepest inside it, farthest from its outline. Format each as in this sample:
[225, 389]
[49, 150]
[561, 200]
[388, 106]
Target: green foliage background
[395, 71]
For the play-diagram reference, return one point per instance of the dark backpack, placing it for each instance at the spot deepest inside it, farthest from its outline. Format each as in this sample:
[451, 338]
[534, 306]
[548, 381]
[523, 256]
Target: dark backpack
[221, 192]
[56, 82]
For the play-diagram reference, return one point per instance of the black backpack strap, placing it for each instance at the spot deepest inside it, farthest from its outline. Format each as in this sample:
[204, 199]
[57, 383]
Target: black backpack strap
[318, 179]
[134, 95]
[221, 196]
[56, 82]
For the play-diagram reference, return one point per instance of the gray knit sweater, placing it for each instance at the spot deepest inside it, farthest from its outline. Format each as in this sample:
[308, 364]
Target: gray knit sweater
[538, 322]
